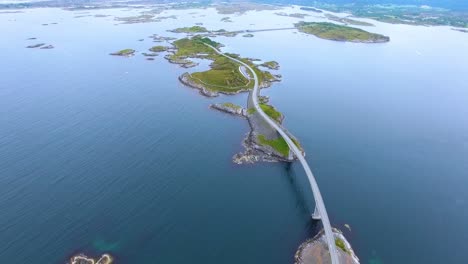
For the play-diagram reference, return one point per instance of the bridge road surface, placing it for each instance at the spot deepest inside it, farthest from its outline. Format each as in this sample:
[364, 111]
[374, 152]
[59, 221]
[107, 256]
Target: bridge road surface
[320, 206]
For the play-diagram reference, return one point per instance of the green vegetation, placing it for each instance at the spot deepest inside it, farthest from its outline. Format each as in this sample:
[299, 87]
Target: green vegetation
[296, 143]
[224, 75]
[124, 52]
[326, 30]
[271, 65]
[251, 111]
[340, 243]
[158, 49]
[271, 112]
[248, 35]
[278, 144]
[193, 29]
[233, 106]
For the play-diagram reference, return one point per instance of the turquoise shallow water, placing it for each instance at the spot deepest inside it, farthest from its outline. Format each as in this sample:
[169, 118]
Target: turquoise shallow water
[106, 154]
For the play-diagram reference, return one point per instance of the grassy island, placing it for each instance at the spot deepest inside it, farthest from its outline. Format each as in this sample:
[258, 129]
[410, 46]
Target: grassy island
[124, 52]
[158, 49]
[224, 75]
[273, 65]
[194, 29]
[331, 31]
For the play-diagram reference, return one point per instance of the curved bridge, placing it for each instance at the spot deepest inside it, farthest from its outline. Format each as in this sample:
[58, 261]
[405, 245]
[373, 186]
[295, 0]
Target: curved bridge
[320, 211]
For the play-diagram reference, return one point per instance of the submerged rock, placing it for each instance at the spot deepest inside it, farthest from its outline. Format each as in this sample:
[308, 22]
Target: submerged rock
[35, 46]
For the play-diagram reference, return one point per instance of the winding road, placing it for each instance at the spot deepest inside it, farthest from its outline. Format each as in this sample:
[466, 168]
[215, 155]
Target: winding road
[320, 206]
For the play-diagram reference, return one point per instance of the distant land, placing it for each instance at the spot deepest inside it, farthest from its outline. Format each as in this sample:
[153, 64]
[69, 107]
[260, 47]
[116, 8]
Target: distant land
[326, 30]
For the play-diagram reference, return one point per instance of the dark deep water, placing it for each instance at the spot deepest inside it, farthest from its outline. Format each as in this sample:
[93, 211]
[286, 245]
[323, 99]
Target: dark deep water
[104, 154]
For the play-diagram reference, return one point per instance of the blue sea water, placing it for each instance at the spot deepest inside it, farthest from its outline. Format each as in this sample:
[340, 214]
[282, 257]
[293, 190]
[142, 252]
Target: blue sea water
[107, 154]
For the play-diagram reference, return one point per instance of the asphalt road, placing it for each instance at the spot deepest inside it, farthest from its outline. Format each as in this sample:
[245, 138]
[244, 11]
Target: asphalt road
[313, 183]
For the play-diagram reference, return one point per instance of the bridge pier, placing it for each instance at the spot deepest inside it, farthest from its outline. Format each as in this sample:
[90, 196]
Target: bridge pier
[316, 215]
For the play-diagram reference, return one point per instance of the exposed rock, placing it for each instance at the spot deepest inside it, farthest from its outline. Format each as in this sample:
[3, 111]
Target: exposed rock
[315, 250]
[47, 47]
[229, 108]
[83, 259]
[185, 79]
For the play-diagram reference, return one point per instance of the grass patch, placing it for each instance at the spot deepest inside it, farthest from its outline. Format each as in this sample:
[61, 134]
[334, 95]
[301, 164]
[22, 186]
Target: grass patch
[233, 106]
[224, 75]
[278, 144]
[271, 65]
[333, 31]
[271, 112]
[340, 243]
[251, 110]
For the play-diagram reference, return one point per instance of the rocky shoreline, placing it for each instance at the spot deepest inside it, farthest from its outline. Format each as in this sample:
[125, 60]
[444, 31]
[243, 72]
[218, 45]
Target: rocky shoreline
[187, 80]
[315, 250]
[83, 259]
[254, 150]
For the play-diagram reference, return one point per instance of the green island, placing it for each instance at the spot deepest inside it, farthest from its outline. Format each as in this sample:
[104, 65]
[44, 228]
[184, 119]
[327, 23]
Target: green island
[158, 49]
[225, 75]
[231, 105]
[272, 65]
[331, 31]
[193, 29]
[248, 35]
[124, 52]
[347, 20]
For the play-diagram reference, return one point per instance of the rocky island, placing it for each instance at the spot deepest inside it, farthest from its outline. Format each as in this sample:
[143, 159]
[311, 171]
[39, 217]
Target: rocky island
[315, 250]
[83, 259]
[35, 46]
[124, 53]
[331, 31]
[272, 65]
